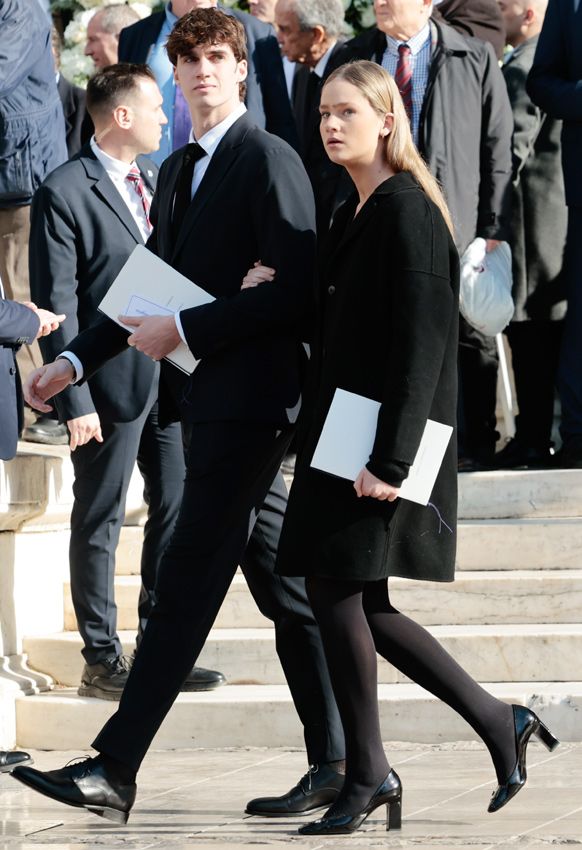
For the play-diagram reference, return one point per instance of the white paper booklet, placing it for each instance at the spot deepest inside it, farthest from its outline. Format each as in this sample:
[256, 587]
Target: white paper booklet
[347, 439]
[147, 286]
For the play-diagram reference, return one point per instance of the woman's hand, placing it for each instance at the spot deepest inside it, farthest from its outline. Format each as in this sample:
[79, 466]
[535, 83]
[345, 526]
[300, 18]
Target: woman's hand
[258, 274]
[367, 484]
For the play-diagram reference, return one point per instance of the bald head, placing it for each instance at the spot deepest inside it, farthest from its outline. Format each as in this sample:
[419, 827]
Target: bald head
[523, 19]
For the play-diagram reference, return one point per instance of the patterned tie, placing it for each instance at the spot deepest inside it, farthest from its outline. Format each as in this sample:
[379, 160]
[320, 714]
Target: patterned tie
[136, 180]
[403, 77]
[183, 197]
[182, 124]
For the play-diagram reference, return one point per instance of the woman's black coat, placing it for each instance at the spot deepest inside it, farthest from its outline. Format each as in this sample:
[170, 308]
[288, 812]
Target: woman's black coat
[387, 330]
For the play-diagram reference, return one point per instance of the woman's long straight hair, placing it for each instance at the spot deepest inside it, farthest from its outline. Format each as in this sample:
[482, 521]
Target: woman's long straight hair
[381, 92]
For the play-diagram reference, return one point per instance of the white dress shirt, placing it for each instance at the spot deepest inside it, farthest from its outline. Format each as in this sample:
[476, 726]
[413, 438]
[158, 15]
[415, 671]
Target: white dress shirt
[117, 172]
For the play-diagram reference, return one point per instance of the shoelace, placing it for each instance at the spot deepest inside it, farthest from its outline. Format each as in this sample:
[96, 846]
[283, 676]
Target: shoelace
[80, 761]
[313, 769]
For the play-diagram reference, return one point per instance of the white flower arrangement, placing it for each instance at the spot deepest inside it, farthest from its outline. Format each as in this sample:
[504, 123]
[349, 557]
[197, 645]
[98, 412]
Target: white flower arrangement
[75, 66]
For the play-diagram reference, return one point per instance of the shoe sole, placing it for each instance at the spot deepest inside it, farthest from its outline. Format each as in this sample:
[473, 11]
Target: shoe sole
[8, 768]
[102, 811]
[190, 688]
[303, 814]
[46, 441]
[97, 693]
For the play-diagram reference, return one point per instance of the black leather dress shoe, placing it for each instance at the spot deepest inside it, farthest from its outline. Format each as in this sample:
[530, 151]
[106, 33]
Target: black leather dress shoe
[199, 679]
[515, 455]
[388, 794]
[11, 759]
[48, 431]
[106, 679]
[84, 785]
[316, 790]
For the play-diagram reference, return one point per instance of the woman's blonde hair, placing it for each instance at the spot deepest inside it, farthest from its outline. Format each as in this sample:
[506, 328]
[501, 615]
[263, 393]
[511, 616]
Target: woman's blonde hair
[381, 92]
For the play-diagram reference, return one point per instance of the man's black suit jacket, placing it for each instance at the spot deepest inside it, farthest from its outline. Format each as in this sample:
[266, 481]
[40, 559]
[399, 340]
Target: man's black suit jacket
[78, 125]
[81, 235]
[266, 99]
[555, 85]
[18, 325]
[254, 202]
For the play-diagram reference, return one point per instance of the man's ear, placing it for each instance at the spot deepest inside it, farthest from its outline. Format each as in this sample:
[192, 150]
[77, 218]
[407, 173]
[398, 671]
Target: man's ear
[123, 116]
[243, 68]
[318, 34]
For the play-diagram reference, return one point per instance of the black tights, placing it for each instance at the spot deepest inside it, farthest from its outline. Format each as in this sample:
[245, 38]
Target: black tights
[356, 620]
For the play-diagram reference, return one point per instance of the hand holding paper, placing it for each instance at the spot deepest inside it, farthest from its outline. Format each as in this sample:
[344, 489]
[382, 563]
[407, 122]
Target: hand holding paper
[155, 336]
[366, 484]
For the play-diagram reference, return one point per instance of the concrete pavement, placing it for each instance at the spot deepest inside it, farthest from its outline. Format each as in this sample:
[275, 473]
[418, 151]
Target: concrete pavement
[196, 798]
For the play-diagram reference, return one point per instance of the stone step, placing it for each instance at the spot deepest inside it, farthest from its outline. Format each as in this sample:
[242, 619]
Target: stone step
[516, 494]
[533, 543]
[518, 596]
[263, 716]
[500, 653]
[499, 544]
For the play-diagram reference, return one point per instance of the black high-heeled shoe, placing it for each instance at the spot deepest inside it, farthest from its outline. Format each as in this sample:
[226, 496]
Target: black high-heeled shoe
[526, 724]
[389, 794]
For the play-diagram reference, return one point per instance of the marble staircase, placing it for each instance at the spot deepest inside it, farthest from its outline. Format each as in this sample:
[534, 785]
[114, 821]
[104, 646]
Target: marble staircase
[513, 618]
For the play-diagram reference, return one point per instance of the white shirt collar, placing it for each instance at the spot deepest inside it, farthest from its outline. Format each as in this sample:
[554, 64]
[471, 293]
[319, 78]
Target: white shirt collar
[114, 167]
[211, 140]
[416, 43]
[322, 64]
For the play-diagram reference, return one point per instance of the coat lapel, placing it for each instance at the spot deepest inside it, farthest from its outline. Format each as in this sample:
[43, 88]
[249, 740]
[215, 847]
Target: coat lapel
[105, 189]
[220, 164]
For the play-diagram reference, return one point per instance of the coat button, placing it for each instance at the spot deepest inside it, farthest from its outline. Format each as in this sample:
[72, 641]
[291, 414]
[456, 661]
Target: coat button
[12, 370]
[331, 289]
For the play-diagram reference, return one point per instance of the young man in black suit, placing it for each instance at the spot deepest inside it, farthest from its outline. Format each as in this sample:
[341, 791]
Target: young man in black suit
[87, 218]
[233, 196]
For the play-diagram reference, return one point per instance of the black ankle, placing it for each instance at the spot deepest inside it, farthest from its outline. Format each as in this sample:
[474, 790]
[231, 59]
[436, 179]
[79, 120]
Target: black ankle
[117, 770]
[339, 766]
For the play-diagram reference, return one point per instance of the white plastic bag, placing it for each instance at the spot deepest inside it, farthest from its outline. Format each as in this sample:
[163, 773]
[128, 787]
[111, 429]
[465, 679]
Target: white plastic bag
[485, 299]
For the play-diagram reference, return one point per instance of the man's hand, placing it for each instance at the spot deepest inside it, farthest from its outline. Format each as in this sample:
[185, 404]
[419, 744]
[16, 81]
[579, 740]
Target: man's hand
[83, 429]
[257, 275]
[155, 336]
[367, 484]
[47, 381]
[48, 321]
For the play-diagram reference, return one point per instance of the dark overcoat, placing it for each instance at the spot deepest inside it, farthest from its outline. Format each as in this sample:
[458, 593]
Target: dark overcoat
[387, 330]
[539, 216]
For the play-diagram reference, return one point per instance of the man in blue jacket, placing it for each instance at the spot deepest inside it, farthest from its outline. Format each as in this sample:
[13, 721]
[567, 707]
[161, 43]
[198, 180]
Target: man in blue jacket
[555, 85]
[32, 140]
[19, 324]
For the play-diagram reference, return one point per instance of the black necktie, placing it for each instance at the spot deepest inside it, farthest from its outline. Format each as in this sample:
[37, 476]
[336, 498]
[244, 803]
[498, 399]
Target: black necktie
[183, 197]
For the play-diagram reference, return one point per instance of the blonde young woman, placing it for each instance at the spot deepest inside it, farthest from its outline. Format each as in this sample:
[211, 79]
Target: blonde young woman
[387, 330]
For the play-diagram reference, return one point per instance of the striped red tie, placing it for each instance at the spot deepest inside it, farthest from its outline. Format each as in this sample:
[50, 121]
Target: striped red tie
[136, 181]
[403, 77]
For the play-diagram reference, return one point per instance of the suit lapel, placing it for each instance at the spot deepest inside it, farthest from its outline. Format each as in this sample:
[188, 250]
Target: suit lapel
[222, 161]
[104, 188]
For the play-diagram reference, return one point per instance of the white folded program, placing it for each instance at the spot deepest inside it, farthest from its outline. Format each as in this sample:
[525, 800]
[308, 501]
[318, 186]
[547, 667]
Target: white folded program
[486, 279]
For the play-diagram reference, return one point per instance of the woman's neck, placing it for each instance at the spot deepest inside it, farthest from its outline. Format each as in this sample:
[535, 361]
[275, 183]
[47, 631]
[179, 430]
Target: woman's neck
[367, 178]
